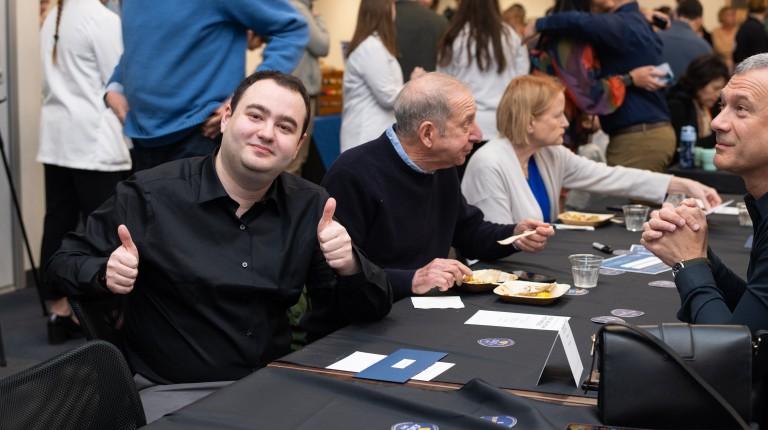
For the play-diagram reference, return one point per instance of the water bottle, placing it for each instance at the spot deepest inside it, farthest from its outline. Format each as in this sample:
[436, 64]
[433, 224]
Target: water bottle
[687, 141]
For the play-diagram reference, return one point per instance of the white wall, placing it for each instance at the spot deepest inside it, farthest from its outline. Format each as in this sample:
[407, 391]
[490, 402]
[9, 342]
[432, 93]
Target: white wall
[341, 16]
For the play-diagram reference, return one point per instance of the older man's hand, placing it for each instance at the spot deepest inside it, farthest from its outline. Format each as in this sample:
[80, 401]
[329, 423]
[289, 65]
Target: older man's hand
[535, 242]
[440, 273]
[669, 234]
[708, 195]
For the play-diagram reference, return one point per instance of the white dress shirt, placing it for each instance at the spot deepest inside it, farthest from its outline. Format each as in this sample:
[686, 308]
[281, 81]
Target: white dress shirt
[77, 130]
[372, 80]
[487, 86]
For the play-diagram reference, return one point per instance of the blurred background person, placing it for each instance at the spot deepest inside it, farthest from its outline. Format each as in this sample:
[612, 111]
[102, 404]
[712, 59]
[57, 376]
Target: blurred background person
[485, 53]
[372, 75]
[515, 17]
[724, 37]
[681, 41]
[693, 101]
[418, 30]
[751, 38]
[309, 72]
[82, 148]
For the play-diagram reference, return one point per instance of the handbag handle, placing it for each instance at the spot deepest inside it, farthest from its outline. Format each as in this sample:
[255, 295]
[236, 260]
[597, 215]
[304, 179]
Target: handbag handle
[648, 338]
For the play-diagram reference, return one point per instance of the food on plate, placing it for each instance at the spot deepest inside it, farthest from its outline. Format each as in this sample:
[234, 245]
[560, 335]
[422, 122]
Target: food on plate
[577, 216]
[528, 289]
[488, 276]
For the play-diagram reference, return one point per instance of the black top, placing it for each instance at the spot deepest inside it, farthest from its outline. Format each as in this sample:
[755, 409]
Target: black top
[716, 295]
[213, 289]
[751, 39]
[682, 112]
[419, 30]
[403, 219]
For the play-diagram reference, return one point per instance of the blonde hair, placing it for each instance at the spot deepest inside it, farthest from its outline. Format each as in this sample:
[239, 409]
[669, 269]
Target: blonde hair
[525, 98]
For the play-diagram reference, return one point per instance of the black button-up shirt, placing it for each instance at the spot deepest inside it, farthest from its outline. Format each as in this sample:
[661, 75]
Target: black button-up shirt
[213, 289]
[716, 295]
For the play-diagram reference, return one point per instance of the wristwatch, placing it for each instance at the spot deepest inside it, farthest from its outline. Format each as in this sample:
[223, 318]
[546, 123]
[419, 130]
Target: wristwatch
[687, 263]
[627, 80]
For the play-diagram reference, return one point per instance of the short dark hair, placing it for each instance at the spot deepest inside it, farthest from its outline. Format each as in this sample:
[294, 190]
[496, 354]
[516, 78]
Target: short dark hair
[284, 80]
[690, 9]
[701, 71]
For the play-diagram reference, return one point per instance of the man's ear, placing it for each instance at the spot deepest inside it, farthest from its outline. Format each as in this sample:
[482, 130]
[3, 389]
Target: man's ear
[302, 141]
[427, 132]
[226, 117]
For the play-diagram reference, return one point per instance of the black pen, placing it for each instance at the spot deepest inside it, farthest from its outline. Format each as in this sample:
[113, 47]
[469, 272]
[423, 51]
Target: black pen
[604, 248]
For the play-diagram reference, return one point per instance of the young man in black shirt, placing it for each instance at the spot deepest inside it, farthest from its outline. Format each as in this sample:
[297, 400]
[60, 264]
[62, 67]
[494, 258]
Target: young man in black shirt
[211, 251]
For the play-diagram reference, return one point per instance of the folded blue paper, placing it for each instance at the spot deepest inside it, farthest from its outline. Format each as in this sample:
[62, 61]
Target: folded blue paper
[401, 365]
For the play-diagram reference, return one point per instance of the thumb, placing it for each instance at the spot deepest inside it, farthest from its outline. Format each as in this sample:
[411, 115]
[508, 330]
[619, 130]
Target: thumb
[330, 208]
[126, 240]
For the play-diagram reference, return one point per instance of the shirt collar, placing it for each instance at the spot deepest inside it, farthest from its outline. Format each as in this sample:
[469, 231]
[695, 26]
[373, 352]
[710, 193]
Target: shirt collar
[393, 139]
[211, 187]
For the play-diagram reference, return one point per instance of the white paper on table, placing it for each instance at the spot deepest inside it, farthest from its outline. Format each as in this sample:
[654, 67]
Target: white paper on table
[719, 207]
[447, 302]
[726, 210]
[573, 227]
[359, 361]
[517, 320]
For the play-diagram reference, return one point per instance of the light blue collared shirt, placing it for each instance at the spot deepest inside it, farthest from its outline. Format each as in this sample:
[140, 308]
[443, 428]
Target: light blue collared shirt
[401, 152]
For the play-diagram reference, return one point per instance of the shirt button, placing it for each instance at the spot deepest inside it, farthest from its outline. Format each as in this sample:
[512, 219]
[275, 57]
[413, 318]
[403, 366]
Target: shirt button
[245, 264]
[249, 333]
[242, 226]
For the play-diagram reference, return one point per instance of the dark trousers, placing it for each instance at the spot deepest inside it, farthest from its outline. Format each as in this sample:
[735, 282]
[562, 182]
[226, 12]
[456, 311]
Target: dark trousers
[70, 194]
[148, 153]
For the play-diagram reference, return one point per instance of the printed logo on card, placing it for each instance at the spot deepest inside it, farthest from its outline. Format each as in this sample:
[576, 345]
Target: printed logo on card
[410, 425]
[496, 342]
[502, 420]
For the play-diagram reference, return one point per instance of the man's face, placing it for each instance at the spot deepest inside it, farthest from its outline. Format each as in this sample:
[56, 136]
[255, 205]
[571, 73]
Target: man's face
[461, 132]
[263, 134]
[741, 128]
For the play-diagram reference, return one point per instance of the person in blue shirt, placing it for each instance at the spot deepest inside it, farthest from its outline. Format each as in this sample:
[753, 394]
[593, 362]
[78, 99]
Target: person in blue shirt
[181, 62]
[710, 293]
[641, 135]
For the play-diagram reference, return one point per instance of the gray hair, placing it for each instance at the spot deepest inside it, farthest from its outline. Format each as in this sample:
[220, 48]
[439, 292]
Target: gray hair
[426, 98]
[755, 62]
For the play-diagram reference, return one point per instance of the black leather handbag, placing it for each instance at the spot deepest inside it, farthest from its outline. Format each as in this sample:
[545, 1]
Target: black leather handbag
[673, 375]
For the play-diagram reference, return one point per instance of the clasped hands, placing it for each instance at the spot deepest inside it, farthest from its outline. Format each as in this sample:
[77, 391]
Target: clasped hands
[334, 240]
[676, 234]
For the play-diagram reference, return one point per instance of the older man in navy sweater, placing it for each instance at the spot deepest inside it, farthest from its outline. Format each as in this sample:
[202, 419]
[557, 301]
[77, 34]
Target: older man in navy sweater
[400, 199]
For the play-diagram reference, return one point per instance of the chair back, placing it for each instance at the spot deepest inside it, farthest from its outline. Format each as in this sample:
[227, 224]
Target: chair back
[89, 387]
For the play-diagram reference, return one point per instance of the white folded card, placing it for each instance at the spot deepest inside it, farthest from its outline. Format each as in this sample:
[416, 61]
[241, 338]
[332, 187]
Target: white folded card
[446, 302]
[359, 361]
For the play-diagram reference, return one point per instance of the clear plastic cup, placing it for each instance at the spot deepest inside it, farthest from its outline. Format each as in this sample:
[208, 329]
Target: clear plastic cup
[634, 216]
[675, 198]
[744, 218]
[585, 269]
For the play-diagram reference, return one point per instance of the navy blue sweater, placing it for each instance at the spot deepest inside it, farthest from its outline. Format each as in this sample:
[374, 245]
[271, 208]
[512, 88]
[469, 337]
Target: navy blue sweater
[402, 219]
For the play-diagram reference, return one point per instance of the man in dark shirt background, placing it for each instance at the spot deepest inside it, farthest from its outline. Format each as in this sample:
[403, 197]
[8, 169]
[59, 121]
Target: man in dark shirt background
[210, 252]
[419, 30]
[710, 293]
[751, 38]
[640, 131]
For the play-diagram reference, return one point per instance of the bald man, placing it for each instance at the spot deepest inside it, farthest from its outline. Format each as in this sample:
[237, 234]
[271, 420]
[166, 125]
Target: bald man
[400, 199]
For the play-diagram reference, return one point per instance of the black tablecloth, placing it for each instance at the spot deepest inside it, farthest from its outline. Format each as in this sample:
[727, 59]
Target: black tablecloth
[287, 399]
[519, 366]
[723, 182]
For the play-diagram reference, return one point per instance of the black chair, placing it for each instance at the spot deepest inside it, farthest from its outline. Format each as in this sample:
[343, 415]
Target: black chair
[89, 387]
[3, 362]
[100, 317]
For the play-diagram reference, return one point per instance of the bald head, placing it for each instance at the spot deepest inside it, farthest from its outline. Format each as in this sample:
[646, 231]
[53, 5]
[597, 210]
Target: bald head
[427, 98]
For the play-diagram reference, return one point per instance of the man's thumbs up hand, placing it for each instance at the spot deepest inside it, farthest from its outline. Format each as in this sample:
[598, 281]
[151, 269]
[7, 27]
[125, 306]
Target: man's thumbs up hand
[335, 242]
[123, 264]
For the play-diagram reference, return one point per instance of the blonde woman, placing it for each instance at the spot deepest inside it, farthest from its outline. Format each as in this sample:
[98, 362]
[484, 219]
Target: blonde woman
[521, 174]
